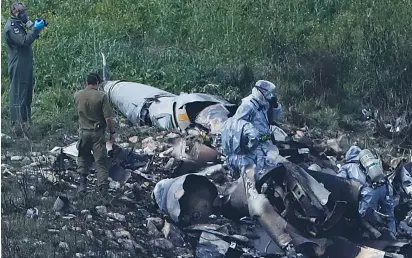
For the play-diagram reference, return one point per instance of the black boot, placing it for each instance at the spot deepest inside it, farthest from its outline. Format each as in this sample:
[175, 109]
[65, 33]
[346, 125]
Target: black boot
[83, 184]
[105, 198]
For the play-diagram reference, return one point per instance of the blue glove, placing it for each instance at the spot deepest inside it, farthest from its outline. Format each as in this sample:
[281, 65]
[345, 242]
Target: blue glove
[39, 24]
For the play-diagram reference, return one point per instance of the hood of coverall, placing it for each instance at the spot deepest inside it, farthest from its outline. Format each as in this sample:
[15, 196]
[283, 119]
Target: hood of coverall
[263, 91]
[352, 154]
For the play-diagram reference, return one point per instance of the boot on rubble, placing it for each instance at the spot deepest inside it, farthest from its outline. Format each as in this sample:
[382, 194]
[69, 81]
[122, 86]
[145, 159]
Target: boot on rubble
[105, 197]
[17, 129]
[83, 184]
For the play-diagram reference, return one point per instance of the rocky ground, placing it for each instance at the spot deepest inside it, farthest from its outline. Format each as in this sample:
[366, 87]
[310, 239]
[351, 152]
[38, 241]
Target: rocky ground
[45, 219]
[42, 216]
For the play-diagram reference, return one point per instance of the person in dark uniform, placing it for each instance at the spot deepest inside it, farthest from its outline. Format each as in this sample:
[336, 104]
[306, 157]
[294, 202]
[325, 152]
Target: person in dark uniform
[95, 115]
[20, 61]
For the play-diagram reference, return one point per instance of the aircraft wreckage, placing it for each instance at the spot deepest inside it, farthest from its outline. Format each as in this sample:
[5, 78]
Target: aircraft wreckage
[299, 209]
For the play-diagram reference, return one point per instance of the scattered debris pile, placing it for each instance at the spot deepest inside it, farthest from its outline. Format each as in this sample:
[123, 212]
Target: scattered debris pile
[300, 208]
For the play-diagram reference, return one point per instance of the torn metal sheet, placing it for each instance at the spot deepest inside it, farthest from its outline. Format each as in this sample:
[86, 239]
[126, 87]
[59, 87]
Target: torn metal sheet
[343, 248]
[72, 151]
[198, 157]
[340, 188]
[186, 199]
[406, 178]
[279, 230]
[310, 194]
[260, 208]
[212, 117]
[146, 105]
[278, 133]
[216, 173]
[132, 99]
[393, 247]
[235, 201]
[211, 246]
[211, 230]
[117, 156]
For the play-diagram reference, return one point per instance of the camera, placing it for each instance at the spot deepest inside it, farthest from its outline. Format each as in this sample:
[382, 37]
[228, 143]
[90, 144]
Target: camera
[45, 21]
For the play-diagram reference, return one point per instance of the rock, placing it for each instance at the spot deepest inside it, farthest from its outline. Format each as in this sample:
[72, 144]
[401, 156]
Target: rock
[32, 213]
[127, 200]
[172, 233]
[26, 160]
[76, 229]
[51, 230]
[62, 203]
[7, 172]
[69, 216]
[149, 146]
[172, 135]
[124, 145]
[35, 154]
[211, 245]
[32, 188]
[166, 153]
[116, 216]
[64, 228]
[102, 210]
[85, 212]
[144, 213]
[38, 243]
[114, 185]
[341, 144]
[110, 254]
[152, 230]
[121, 233]
[147, 140]
[109, 234]
[129, 245]
[80, 255]
[183, 252]
[5, 136]
[158, 222]
[169, 164]
[164, 244]
[113, 244]
[149, 151]
[16, 158]
[134, 139]
[34, 164]
[89, 218]
[64, 246]
[89, 234]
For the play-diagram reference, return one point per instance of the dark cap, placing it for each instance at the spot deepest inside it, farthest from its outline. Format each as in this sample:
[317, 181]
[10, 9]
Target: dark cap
[93, 79]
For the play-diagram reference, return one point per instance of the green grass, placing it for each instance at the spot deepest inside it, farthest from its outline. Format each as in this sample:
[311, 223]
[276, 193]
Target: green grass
[336, 55]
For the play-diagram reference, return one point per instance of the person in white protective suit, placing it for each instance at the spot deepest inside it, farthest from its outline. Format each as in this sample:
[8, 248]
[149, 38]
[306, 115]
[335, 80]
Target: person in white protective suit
[378, 197]
[246, 136]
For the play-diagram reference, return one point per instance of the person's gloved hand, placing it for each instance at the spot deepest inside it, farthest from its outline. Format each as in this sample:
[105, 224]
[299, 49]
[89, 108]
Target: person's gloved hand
[39, 24]
[274, 102]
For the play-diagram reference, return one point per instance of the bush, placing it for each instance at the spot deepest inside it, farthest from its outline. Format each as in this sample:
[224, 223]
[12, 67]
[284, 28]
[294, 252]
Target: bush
[318, 51]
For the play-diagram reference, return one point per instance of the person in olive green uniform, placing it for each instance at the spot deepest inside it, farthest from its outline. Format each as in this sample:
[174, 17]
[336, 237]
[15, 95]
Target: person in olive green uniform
[20, 61]
[95, 114]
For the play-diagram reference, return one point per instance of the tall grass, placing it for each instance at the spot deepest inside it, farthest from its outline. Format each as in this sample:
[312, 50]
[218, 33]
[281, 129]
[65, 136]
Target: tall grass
[341, 54]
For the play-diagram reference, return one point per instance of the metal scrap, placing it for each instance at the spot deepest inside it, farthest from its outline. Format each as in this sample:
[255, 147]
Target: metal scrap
[186, 199]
